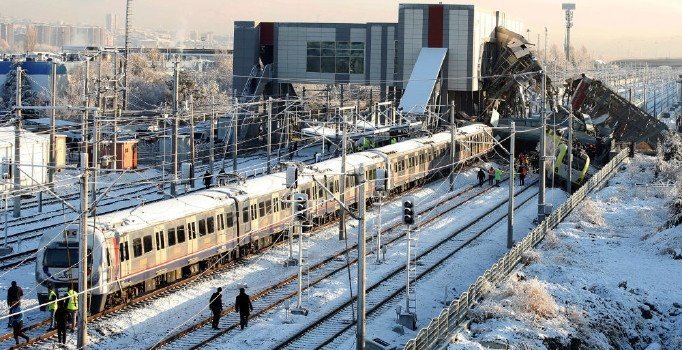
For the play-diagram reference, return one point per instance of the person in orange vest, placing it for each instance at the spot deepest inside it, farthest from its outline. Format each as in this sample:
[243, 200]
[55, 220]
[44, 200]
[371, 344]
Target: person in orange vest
[523, 171]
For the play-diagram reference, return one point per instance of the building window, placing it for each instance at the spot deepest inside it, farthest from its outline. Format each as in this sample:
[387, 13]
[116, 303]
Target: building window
[335, 57]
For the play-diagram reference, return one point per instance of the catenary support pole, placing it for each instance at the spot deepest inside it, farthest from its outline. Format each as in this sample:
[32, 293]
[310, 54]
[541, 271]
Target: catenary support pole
[362, 230]
[211, 153]
[192, 146]
[53, 129]
[510, 214]
[16, 174]
[235, 118]
[174, 145]
[569, 153]
[543, 133]
[83, 258]
[453, 130]
[342, 179]
[269, 128]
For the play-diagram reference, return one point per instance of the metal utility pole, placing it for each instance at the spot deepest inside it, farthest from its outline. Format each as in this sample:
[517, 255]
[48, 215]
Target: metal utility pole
[117, 110]
[174, 145]
[86, 98]
[17, 145]
[211, 154]
[95, 156]
[362, 230]
[570, 147]
[192, 148]
[342, 187]
[543, 135]
[269, 126]
[53, 133]
[83, 254]
[453, 130]
[568, 8]
[510, 214]
[129, 17]
[235, 117]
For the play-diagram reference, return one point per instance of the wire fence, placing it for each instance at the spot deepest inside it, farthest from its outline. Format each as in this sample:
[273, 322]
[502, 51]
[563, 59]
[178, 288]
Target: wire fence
[450, 318]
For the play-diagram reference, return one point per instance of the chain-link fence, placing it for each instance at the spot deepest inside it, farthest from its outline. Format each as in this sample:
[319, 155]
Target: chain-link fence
[440, 328]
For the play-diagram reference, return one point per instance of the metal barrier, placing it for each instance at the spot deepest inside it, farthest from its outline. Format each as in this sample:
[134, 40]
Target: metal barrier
[452, 316]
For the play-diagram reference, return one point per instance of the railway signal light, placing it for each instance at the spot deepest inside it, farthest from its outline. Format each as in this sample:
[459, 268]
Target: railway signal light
[408, 211]
[300, 207]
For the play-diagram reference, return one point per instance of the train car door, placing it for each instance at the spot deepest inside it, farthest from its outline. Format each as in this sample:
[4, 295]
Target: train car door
[245, 222]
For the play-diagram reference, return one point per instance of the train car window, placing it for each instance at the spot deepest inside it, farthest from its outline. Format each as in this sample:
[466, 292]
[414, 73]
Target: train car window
[191, 230]
[159, 240]
[337, 187]
[230, 219]
[171, 237]
[261, 209]
[275, 205]
[245, 214]
[221, 222]
[253, 212]
[137, 247]
[210, 224]
[202, 227]
[181, 233]
[108, 258]
[121, 252]
[268, 206]
[147, 243]
[320, 193]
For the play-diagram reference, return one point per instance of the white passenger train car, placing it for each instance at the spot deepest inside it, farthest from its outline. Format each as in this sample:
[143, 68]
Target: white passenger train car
[136, 250]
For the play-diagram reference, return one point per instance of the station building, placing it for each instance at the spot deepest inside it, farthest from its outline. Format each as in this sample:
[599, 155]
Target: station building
[384, 55]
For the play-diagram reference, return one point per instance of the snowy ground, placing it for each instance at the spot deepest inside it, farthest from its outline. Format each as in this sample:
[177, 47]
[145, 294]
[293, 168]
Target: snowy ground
[143, 326]
[605, 278]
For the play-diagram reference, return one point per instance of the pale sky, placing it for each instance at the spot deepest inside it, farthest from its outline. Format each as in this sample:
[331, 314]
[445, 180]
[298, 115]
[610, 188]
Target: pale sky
[610, 29]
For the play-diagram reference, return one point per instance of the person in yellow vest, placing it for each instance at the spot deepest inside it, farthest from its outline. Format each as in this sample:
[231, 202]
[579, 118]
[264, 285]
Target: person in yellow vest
[51, 304]
[72, 306]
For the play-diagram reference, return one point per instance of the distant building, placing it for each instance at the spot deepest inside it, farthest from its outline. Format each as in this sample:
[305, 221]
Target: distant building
[377, 54]
[7, 33]
[112, 23]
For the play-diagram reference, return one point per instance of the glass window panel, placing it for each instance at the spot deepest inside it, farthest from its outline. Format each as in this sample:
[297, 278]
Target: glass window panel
[342, 45]
[357, 65]
[314, 52]
[313, 44]
[202, 227]
[357, 45]
[328, 52]
[210, 224]
[342, 65]
[181, 233]
[357, 53]
[328, 45]
[137, 247]
[327, 65]
[147, 241]
[230, 220]
[342, 52]
[171, 237]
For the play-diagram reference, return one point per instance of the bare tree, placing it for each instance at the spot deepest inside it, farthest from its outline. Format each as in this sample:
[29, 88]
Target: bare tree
[30, 40]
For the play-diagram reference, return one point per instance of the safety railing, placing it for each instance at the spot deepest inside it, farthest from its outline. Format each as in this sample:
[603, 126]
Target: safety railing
[440, 327]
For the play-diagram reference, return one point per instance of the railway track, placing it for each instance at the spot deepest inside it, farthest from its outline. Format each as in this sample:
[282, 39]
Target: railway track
[329, 330]
[40, 336]
[201, 334]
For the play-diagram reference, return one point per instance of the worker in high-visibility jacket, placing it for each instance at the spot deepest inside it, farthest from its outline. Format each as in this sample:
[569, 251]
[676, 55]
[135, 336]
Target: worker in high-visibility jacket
[72, 305]
[51, 304]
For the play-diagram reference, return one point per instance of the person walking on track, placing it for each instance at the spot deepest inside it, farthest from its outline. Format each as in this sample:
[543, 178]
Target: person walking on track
[243, 306]
[481, 177]
[72, 306]
[498, 177]
[17, 321]
[216, 306]
[491, 176]
[61, 316]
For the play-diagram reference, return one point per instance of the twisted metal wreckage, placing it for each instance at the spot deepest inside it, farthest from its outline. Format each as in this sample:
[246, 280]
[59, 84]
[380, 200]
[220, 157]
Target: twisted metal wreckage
[601, 117]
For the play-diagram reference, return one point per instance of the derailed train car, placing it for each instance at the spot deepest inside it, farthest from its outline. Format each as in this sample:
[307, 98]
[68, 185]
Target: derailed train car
[134, 251]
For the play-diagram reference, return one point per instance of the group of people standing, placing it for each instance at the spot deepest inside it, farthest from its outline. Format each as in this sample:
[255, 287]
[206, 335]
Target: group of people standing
[242, 305]
[496, 174]
[62, 311]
